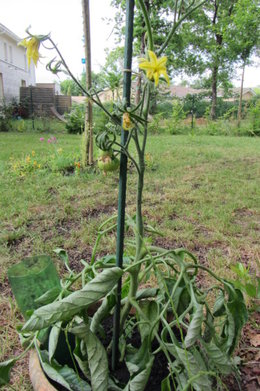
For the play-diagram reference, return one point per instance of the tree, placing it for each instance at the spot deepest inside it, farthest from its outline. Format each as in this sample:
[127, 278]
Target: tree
[244, 37]
[69, 87]
[111, 74]
[166, 18]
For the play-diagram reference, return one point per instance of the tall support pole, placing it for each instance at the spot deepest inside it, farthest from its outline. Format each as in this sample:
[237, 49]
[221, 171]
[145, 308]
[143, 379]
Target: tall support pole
[88, 128]
[123, 175]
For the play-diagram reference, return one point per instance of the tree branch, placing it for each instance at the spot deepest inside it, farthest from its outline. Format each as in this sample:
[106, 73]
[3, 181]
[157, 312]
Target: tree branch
[176, 25]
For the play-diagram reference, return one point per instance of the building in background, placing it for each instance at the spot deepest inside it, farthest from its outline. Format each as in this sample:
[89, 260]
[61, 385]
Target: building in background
[14, 70]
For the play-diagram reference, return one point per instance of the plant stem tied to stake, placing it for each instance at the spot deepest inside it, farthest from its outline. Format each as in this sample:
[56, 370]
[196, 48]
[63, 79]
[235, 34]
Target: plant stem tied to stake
[123, 174]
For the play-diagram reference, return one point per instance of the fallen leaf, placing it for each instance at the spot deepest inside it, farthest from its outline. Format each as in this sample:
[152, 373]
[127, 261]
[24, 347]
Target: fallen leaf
[255, 340]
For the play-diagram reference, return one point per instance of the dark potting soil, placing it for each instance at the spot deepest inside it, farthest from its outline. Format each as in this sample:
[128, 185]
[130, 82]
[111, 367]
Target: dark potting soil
[159, 369]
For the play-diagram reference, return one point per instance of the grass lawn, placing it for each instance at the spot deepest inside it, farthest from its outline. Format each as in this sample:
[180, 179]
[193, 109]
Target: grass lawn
[202, 192]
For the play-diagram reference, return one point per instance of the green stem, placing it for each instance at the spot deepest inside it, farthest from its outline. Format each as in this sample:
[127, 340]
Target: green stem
[147, 24]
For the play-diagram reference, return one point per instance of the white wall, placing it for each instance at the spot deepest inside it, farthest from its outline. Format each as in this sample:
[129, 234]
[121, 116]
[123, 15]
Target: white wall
[13, 65]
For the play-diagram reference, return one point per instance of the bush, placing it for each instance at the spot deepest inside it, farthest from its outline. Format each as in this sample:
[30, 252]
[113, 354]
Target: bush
[254, 116]
[6, 112]
[75, 119]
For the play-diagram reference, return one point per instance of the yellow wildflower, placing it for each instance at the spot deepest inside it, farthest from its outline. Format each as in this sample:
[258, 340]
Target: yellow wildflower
[127, 123]
[32, 45]
[28, 159]
[59, 150]
[35, 163]
[39, 166]
[154, 67]
[33, 153]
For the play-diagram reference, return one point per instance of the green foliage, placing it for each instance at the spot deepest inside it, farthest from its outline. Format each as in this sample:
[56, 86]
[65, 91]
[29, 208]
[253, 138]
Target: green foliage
[254, 116]
[247, 283]
[52, 160]
[155, 125]
[6, 114]
[75, 119]
[195, 358]
[5, 369]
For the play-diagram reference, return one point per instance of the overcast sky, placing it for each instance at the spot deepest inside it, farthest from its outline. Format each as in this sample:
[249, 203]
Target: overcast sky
[63, 18]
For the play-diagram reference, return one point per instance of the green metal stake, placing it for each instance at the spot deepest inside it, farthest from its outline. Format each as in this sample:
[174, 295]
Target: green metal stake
[123, 175]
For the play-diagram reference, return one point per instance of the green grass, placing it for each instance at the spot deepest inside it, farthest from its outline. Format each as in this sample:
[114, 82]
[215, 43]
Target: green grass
[202, 192]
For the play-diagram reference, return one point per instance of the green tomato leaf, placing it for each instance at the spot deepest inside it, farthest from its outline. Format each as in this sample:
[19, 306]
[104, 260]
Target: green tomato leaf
[237, 310]
[98, 363]
[136, 359]
[148, 314]
[81, 358]
[139, 380]
[251, 290]
[62, 375]
[53, 339]
[219, 307]
[49, 296]
[5, 369]
[218, 358]
[194, 364]
[209, 330]
[194, 330]
[71, 305]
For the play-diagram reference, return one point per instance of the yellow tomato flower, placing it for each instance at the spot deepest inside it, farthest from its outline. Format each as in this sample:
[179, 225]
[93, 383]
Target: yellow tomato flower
[154, 67]
[32, 45]
[127, 123]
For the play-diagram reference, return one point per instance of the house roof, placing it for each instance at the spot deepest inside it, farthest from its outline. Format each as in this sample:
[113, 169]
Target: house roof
[235, 92]
[9, 33]
[182, 92]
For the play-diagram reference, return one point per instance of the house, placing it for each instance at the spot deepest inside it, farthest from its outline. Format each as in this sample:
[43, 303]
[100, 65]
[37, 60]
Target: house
[234, 94]
[14, 70]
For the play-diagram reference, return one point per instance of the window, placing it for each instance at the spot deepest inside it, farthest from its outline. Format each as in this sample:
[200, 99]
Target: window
[5, 50]
[11, 54]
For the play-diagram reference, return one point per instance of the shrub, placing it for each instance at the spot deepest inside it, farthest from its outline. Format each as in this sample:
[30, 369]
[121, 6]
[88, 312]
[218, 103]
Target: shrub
[254, 116]
[6, 111]
[75, 119]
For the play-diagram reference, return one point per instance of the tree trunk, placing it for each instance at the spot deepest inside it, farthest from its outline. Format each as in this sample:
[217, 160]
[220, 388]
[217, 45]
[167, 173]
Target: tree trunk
[87, 157]
[213, 112]
[239, 114]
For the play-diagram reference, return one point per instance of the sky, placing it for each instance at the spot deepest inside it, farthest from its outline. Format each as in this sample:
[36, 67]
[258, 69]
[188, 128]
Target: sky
[63, 19]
